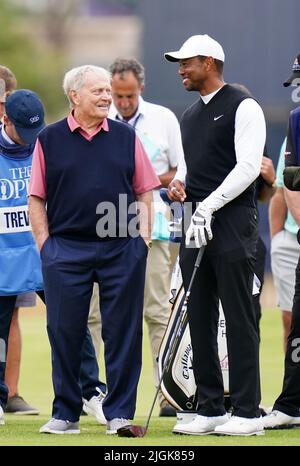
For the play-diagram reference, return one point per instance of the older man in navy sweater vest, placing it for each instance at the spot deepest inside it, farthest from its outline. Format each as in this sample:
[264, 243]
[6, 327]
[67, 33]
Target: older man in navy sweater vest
[82, 164]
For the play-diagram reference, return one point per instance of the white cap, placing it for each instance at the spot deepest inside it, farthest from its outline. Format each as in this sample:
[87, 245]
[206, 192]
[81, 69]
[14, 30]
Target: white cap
[198, 45]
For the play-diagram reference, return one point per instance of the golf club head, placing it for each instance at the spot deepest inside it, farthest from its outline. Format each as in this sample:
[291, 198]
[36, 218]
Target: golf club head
[132, 431]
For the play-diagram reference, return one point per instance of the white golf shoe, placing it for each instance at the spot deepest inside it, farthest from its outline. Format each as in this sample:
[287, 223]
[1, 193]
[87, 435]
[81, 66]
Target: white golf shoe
[2, 422]
[279, 420]
[93, 407]
[184, 417]
[200, 425]
[241, 426]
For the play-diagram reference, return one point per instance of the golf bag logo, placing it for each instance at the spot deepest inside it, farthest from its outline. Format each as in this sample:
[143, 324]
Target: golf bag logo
[187, 362]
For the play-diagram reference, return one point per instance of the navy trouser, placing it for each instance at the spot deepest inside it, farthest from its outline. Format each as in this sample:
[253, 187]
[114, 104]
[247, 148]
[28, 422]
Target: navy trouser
[89, 372]
[70, 268]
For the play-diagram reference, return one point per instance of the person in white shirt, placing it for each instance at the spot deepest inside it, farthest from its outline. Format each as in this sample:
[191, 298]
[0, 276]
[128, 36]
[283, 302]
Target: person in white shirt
[159, 131]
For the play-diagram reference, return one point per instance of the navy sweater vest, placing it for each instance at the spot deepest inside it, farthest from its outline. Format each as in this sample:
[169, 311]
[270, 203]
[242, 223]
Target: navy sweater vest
[208, 142]
[80, 174]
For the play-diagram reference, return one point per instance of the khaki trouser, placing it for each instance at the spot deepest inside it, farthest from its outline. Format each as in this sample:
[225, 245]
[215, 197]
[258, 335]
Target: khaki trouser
[161, 258]
[94, 321]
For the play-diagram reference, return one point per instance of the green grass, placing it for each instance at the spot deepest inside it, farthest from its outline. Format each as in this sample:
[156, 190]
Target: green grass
[36, 387]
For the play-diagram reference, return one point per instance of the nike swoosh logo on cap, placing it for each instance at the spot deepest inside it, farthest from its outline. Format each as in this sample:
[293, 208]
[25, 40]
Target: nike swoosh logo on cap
[217, 118]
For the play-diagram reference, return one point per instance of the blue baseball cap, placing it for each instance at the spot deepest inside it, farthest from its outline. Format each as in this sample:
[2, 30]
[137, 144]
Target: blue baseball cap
[25, 110]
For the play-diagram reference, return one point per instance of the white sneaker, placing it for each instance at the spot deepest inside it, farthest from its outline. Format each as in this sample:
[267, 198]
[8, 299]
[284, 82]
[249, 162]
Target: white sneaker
[200, 425]
[93, 407]
[241, 426]
[185, 417]
[278, 420]
[58, 426]
[115, 424]
[2, 422]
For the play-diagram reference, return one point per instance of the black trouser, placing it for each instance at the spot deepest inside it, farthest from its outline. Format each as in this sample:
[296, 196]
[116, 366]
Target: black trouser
[289, 400]
[226, 272]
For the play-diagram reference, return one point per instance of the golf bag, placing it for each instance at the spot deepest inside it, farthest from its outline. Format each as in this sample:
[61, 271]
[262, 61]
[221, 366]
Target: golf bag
[178, 383]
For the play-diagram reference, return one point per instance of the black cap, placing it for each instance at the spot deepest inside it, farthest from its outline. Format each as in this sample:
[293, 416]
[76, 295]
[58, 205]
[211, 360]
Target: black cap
[25, 110]
[295, 73]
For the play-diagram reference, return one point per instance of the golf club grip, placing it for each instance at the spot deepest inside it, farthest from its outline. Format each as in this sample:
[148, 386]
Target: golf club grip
[202, 249]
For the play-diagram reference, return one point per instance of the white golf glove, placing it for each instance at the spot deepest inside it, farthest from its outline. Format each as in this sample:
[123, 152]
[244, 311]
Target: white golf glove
[200, 227]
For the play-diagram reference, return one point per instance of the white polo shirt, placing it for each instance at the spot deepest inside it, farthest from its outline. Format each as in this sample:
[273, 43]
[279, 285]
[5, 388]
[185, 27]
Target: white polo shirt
[159, 131]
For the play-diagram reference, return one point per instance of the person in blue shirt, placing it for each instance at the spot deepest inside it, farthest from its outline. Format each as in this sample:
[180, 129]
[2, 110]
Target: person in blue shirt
[20, 270]
[16, 403]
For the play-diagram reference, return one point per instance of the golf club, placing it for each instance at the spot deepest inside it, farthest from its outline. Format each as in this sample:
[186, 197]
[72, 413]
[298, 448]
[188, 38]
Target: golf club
[177, 332]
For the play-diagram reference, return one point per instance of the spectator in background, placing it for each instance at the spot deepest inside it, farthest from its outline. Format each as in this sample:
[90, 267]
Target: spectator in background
[286, 409]
[159, 131]
[19, 258]
[15, 403]
[284, 248]
[265, 188]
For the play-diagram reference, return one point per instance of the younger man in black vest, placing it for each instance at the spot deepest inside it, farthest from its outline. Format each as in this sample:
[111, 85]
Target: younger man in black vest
[223, 139]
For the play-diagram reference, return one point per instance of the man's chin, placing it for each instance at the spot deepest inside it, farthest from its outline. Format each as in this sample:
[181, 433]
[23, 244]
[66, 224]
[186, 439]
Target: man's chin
[188, 87]
[103, 114]
[127, 115]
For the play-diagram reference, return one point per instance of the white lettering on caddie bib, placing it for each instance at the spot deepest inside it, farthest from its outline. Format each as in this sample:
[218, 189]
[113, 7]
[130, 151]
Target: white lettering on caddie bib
[14, 219]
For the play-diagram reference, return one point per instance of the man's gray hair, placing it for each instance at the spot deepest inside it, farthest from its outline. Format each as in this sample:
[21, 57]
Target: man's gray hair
[75, 78]
[124, 65]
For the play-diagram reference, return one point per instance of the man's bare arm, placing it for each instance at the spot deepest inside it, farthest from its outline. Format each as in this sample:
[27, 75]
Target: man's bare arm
[267, 172]
[38, 219]
[167, 177]
[277, 212]
[145, 201]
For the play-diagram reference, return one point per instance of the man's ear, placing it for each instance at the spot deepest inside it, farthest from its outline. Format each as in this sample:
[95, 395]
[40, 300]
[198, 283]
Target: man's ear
[6, 120]
[142, 88]
[74, 97]
[209, 63]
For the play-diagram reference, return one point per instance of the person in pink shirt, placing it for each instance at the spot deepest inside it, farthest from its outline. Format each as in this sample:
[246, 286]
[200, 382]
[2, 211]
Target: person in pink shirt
[96, 180]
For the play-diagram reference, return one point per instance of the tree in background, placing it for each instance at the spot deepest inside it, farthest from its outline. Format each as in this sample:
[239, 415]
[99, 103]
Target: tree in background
[38, 64]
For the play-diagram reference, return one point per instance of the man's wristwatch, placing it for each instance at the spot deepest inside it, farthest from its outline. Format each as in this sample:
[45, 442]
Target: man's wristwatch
[148, 243]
